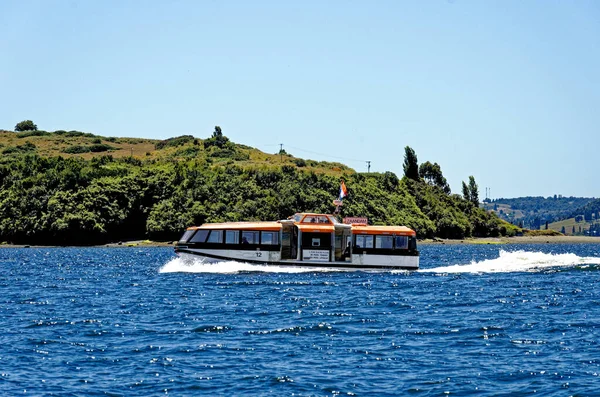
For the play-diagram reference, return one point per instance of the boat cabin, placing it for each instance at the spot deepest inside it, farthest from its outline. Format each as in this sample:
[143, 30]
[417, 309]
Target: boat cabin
[304, 237]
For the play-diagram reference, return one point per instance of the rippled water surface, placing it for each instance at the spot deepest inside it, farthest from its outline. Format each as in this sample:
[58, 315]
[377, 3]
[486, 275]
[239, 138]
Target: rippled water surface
[475, 320]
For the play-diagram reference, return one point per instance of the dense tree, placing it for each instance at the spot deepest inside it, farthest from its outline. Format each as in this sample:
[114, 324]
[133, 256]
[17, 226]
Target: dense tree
[466, 192]
[432, 174]
[473, 191]
[75, 201]
[411, 164]
[26, 125]
[217, 139]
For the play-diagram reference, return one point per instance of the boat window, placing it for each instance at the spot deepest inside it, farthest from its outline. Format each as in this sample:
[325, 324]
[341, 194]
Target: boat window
[334, 220]
[232, 237]
[364, 241]
[384, 242]
[269, 238]
[309, 219]
[412, 243]
[401, 242]
[297, 217]
[200, 236]
[216, 236]
[186, 236]
[322, 219]
[250, 237]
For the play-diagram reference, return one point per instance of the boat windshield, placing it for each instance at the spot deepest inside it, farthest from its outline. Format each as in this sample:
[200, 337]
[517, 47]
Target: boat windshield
[186, 236]
[315, 218]
[334, 220]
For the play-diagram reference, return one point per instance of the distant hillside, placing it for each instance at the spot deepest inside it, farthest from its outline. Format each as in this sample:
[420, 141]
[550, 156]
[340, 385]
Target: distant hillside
[577, 226]
[70, 187]
[534, 212]
[589, 211]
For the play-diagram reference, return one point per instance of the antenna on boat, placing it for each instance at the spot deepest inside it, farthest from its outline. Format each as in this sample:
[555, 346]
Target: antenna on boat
[368, 166]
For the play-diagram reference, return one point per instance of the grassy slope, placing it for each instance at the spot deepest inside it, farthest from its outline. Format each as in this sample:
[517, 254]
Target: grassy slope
[506, 209]
[568, 224]
[55, 145]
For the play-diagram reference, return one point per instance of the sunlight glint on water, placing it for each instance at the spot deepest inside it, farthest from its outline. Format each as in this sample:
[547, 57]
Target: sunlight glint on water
[134, 321]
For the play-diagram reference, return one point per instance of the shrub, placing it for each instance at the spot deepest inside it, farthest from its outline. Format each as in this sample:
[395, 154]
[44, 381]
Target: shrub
[74, 133]
[101, 148]
[547, 232]
[32, 133]
[300, 162]
[76, 149]
[174, 142]
[24, 148]
[191, 151]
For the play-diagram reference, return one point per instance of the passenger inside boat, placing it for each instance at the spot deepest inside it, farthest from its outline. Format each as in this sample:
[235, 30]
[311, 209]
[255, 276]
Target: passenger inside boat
[347, 250]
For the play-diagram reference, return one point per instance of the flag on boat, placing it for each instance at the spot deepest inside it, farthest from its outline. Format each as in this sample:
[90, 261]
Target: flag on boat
[343, 190]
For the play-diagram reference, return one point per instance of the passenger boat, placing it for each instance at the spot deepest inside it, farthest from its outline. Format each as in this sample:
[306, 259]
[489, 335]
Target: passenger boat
[304, 240]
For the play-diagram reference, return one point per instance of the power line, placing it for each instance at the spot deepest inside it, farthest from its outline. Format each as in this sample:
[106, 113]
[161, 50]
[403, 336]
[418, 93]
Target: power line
[317, 154]
[325, 155]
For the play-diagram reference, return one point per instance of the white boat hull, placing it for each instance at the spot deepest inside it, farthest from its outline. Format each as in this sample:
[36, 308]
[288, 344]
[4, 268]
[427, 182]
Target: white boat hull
[356, 262]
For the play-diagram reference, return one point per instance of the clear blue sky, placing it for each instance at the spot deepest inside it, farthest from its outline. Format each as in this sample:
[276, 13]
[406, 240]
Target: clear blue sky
[507, 91]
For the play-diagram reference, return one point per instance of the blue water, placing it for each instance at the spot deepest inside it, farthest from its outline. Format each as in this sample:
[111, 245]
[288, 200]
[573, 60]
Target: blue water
[477, 320]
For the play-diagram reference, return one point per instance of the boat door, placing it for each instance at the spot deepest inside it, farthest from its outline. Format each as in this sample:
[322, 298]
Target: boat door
[343, 236]
[289, 241]
[316, 246]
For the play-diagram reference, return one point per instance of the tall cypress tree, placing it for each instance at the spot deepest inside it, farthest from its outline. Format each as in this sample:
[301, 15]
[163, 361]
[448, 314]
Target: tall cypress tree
[411, 164]
[473, 190]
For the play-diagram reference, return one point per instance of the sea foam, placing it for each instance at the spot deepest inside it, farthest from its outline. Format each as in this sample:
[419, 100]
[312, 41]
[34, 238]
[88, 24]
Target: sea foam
[508, 261]
[179, 265]
[518, 261]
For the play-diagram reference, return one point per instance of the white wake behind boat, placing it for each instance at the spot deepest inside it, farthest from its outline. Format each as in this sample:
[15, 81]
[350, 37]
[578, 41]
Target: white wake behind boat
[305, 240]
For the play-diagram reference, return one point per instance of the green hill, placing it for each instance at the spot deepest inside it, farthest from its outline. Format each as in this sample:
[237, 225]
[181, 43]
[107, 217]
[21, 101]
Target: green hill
[69, 187]
[86, 146]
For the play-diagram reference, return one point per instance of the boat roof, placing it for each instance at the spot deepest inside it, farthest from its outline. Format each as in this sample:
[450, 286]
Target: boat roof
[316, 227]
[401, 230]
[240, 226]
[309, 222]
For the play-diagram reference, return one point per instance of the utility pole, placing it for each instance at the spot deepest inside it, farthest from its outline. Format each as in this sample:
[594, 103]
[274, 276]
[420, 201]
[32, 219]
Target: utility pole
[368, 166]
[281, 152]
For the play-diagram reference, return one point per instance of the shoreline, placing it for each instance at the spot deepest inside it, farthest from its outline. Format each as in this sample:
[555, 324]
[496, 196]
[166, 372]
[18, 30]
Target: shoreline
[120, 244]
